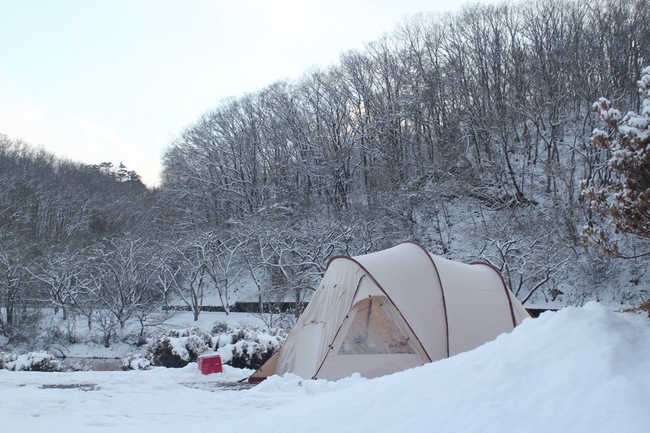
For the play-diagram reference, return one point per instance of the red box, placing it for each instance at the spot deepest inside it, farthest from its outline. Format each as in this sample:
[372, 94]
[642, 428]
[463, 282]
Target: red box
[210, 364]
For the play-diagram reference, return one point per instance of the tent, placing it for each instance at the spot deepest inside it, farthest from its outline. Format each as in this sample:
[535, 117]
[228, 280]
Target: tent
[391, 310]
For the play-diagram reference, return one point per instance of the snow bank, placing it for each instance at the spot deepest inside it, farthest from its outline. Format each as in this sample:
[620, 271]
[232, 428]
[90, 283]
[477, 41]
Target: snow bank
[578, 370]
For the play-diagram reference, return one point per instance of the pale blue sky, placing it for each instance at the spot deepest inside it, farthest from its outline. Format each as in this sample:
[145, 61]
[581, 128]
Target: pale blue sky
[116, 80]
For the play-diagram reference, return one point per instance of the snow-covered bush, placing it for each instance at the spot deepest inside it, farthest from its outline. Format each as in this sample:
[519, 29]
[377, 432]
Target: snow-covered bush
[134, 361]
[33, 361]
[248, 348]
[177, 348]
[241, 348]
[220, 328]
[250, 355]
[4, 358]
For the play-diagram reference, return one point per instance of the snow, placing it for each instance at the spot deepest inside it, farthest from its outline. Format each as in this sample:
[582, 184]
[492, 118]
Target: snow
[579, 370]
[25, 361]
[208, 319]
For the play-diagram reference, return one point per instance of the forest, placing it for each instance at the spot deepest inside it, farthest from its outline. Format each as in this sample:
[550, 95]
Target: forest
[470, 133]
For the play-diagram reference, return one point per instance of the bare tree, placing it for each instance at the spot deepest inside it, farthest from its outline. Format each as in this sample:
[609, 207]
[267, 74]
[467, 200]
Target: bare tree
[65, 279]
[222, 263]
[529, 257]
[13, 290]
[185, 271]
[123, 275]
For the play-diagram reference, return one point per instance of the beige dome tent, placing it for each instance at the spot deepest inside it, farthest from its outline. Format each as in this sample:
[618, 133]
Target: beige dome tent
[391, 310]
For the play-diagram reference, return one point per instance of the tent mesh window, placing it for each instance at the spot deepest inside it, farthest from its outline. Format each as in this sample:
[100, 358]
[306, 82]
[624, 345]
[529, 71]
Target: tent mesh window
[376, 329]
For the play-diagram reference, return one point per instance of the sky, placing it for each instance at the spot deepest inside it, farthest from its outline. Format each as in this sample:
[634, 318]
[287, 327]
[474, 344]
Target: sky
[115, 81]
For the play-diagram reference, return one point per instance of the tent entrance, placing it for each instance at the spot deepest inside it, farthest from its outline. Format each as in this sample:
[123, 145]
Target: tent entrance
[373, 340]
[375, 328]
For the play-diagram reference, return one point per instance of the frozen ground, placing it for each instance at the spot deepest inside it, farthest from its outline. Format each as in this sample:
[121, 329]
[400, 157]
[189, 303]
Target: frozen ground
[578, 370]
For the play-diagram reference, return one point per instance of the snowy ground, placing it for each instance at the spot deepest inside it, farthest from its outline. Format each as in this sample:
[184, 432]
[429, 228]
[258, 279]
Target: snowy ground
[578, 370]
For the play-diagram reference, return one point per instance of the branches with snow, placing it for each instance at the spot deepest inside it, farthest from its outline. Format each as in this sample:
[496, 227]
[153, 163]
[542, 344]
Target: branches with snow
[623, 199]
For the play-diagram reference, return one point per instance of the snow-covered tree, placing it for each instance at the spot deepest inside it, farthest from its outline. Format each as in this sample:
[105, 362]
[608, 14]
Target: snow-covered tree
[13, 274]
[64, 280]
[623, 197]
[123, 278]
[184, 272]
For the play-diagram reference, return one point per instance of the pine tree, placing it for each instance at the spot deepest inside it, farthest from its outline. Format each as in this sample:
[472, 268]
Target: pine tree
[623, 200]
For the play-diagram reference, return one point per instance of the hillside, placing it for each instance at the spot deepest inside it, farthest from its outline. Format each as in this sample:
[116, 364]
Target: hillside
[469, 133]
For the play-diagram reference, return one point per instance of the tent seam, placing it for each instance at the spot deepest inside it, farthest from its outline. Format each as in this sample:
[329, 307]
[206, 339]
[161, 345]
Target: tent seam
[442, 288]
[369, 274]
[336, 334]
[505, 289]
